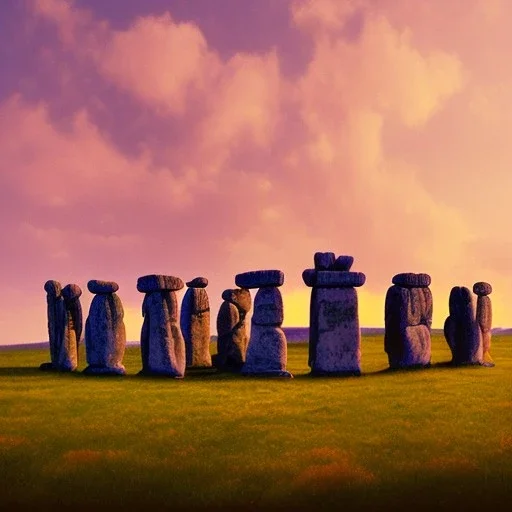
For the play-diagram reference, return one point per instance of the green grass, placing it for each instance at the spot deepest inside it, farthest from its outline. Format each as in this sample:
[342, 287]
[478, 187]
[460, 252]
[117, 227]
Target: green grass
[430, 439]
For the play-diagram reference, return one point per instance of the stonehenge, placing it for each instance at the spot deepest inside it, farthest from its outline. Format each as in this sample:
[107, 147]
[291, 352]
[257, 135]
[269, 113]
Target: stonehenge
[335, 336]
[195, 324]
[105, 336]
[161, 341]
[172, 341]
[64, 313]
[232, 337]
[408, 319]
[468, 329]
[267, 350]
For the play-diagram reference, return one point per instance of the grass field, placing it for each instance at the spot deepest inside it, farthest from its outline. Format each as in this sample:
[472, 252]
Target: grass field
[435, 439]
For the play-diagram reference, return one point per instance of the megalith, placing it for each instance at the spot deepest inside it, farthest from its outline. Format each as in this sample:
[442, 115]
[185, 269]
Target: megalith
[105, 335]
[468, 329]
[484, 318]
[266, 350]
[56, 315]
[334, 332]
[161, 341]
[408, 321]
[232, 337]
[195, 324]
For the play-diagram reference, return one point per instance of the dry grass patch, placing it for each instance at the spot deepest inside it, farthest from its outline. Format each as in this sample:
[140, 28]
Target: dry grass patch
[332, 469]
[12, 441]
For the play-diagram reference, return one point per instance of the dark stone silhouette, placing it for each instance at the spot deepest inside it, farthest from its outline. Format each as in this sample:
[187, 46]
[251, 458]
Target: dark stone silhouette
[408, 320]
[105, 335]
[161, 341]
[334, 333]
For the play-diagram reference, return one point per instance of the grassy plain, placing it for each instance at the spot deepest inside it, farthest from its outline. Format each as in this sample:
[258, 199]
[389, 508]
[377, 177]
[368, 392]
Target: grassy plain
[430, 439]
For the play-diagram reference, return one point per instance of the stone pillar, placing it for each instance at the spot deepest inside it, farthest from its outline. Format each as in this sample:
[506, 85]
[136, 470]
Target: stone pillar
[408, 320]
[105, 335]
[484, 318]
[461, 328]
[56, 314]
[195, 324]
[267, 349]
[68, 356]
[161, 341]
[334, 333]
[232, 336]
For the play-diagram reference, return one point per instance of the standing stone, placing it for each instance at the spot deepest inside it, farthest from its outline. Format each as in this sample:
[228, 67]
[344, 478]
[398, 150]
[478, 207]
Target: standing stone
[468, 329]
[232, 336]
[335, 336]
[105, 335]
[195, 324]
[484, 318]
[162, 343]
[68, 356]
[408, 320]
[56, 314]
[267, 348]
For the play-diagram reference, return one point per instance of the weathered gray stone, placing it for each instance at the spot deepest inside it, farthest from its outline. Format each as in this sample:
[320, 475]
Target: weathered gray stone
[268, 307]
[198, 282]
[162, 343]
[324, 260]
[267, 350]
[461, 328]
[482, 288]
[240, 297]
[259, 279]
[333, 278]
[195, 326]
[411, 280]
[68, 356]
[154, 283]
[335, 336]
[102, 287]
[232, 336]
[56, 315]
[408, 318]
[105, 335]
[309, 277]
[343, 263]
[484, 319]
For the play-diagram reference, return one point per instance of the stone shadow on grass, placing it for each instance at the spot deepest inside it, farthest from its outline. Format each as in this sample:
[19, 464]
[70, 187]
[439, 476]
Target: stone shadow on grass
[23, 371]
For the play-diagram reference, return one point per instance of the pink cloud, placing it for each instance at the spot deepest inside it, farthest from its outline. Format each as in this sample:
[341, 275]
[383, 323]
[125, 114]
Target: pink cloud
[238, 165]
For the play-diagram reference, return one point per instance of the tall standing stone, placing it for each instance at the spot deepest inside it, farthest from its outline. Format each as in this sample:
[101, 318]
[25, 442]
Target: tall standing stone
[105, 335]
[408, 321]
[68, 356]
[334, 333]
[162, 343]
[484, 318]
[195, 324]
[232, 335]
[267, 349]
[467, 327]
[56, 315]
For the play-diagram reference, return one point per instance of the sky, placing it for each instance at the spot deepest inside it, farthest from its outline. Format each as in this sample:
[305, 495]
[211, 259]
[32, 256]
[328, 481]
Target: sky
[208, 138]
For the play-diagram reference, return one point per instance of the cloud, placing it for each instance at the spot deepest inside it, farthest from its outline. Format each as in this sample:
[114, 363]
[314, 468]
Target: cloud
[169, 157]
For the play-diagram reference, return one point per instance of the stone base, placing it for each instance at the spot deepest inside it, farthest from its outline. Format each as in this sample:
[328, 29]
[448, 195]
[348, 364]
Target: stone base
[50, 367]
[199, 366]
[104, 370]
[276, 373]
[228, 366]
